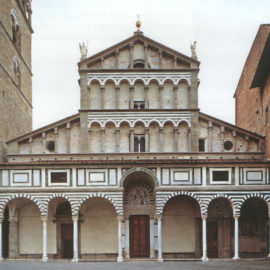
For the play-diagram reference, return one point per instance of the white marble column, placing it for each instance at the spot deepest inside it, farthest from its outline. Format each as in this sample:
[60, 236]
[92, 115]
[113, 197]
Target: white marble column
[45, 241]
[75, 238]
[127, 239]
[120, 256]
[204, 238]
[152, 238]
[160, 259]
[1, 247]
[236, 238]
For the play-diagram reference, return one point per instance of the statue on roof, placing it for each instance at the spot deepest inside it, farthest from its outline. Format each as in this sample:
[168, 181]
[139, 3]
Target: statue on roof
[193, 47]
[84, 50]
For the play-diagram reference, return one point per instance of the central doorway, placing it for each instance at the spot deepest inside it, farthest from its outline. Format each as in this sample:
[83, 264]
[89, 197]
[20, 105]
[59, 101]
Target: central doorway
[67, 241]
[139, 236]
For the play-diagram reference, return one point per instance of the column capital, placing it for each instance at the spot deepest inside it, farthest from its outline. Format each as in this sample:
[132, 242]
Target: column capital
[116, 51]
[145, 45]
[159, 217]
[160, 87]
[131, 87]
[204, 217]
[102, 87]
[161, 129]
[146, 87]
[120, 218]
[175, 86]
[236, 216]
[75, 218]
[44, 218]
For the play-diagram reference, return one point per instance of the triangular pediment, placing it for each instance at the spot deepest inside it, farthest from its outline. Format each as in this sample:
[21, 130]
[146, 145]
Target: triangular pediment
[158, 56]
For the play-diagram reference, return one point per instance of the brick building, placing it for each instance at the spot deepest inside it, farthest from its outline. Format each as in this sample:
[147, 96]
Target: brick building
[138, 172]
[252, 96]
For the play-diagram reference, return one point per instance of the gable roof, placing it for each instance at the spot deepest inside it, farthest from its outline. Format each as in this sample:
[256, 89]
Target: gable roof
[139, 36]
[230, 126]
[72, 118]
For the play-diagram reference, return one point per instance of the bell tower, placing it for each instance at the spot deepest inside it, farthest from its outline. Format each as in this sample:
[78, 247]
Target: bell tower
[15, 70]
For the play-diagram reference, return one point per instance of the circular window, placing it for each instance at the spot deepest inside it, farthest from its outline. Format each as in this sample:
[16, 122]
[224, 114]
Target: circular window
[51, 146]
[228, 145]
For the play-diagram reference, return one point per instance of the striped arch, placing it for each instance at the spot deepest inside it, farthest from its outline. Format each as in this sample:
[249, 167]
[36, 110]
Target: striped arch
[73, 204]
[266, 199]
[5, 199]
[118, 208]
[220, 196]
[184, 80]
[161, 205]
[137, 169]
[94, 79]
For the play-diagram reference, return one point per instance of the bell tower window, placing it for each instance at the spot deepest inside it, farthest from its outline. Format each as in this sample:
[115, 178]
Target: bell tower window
[139, 143]
[16, 30]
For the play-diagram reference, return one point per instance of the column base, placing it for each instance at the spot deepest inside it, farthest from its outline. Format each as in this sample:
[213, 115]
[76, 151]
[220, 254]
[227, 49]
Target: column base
[44, 259]
[236, 258]
[204, 259]
[160, 260]
[127, 256]
[75, 260]
[120, 259]
[269, 255]
[1, 259]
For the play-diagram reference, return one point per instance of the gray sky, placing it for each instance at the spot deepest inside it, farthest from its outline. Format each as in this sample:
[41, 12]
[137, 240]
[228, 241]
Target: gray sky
[224, 29]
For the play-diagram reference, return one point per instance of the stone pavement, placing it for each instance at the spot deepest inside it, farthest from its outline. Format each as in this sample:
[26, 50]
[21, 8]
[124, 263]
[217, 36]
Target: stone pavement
[64, 265]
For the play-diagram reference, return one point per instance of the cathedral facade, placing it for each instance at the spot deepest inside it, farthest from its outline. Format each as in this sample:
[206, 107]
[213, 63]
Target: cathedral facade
[138, 172]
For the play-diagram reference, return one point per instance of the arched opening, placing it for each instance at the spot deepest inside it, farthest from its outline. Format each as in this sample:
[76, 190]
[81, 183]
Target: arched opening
[110, 138]
[124, 137]
[98, 230]
[60, 229]
[181, 228]
[220, 230]
[253, 229]
[139, 137]
[94, 95]
[16, 31]
[168, 133]
[22, 230]
[139, 211]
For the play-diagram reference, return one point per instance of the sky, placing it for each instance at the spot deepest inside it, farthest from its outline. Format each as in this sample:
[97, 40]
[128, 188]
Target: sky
[224, 31]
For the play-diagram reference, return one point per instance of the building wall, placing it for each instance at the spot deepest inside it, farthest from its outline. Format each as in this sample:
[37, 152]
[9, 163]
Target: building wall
[15, 100]
[249, 100]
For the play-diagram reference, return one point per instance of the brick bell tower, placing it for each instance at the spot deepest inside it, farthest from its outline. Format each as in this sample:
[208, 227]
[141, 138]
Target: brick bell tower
[15, 70]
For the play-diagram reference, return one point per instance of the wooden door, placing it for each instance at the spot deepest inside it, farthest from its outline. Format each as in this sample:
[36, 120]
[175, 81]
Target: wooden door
[67, 240]
[212, 239]
[139, 236]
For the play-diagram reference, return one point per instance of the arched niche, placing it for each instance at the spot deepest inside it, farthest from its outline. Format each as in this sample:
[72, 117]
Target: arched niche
[109, 95]
[124, 95]
[154, 98]
[220, 231]
[168, 135]
[154, 140]
[181, 228]
[95, 138]
[183, 137]
[182, 95]
[94, 94]
[124, 137]
[253, 228]
[110, 138]
[98, 229]
[168, 95]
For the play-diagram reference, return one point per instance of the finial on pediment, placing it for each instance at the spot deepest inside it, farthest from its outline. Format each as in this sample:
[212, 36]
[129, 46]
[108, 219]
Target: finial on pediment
[138, 23]
[193, 47]
[83, 49]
